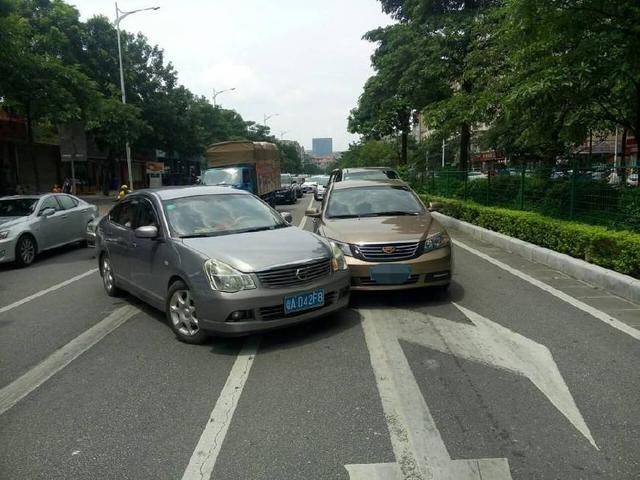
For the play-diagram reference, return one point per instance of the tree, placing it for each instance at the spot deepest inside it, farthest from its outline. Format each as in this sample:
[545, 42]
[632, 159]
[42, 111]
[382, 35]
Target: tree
[400, 85]
[570, 68]
[290, 160]
[369, 153]
[39, 76]
[111, 124]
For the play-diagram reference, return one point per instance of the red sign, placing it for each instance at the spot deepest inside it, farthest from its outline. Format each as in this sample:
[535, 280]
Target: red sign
[632, 145]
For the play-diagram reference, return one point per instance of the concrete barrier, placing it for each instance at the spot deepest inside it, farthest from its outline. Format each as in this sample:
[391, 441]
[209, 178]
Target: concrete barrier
[614, 282]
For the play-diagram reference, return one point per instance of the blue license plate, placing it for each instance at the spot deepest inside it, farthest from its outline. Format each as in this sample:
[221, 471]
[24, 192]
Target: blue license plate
[390, 274]
[303, 301]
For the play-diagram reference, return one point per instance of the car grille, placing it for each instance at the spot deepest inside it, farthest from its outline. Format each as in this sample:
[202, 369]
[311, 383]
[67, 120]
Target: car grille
[400, 251]
[295, 274]
[367, 282]
[276, 312]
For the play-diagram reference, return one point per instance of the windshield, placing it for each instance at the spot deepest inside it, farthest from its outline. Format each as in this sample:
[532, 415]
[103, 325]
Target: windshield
[211, 215]
[20, 207]
[321, 180]
[222, 176]
[372, 202]
[370, 175]
[286, 179]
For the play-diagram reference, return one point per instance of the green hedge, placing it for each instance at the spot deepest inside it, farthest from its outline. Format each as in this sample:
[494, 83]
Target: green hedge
[613, 249]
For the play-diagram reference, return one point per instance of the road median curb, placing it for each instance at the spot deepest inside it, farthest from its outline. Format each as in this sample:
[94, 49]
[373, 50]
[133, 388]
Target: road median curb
[617, 283]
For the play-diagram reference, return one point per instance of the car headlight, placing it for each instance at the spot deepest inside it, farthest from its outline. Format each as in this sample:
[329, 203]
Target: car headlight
[224, 278]
[436, 241]
[345, 248]
[338, 261]
[4, 234]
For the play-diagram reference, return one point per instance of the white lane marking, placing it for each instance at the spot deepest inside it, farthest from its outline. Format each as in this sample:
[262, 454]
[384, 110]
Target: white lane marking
[27, 383]
[600, 315]
[304, 218]
[206, 453]
[47, 290]
[416, 441]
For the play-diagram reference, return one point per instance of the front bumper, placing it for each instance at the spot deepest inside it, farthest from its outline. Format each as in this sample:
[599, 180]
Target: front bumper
[266, 306]
[8, 249]
[90, 237]
[428, 270]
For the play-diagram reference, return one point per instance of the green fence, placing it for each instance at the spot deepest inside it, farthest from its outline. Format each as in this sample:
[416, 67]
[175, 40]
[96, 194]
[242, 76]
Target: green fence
[602, 196]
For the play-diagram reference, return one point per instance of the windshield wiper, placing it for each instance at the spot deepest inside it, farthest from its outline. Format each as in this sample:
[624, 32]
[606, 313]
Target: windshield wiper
[344, 216]
[391, 213]
[198, 235]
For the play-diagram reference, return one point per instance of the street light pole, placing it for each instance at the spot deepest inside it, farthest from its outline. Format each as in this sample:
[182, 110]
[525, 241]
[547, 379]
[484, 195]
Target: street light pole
[120, 15]
[443, 147]
[216, 93]
[267, 117]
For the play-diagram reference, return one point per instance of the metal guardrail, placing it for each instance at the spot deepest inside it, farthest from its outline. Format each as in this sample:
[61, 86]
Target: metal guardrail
[600, 195]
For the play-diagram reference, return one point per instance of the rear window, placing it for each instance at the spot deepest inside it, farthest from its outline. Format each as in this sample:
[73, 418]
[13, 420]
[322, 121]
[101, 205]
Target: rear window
[67, 202]
[371, 175]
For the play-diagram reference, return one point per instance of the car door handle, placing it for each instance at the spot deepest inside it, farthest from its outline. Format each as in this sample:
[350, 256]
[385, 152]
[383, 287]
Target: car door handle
[63, 216]
[134, 244]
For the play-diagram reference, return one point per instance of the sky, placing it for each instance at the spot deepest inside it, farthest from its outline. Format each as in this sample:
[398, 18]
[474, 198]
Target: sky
[304, 60]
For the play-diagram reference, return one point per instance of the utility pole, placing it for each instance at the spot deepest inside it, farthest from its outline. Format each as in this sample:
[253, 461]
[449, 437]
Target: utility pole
[443, 147]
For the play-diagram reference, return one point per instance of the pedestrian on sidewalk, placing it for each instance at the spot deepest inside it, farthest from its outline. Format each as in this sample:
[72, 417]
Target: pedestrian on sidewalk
[66, 186]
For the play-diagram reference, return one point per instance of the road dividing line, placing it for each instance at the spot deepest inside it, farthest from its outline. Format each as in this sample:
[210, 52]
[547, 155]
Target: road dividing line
[47, 290]
[27, 383]
[600, 315]
[304, 218]
[206, 453]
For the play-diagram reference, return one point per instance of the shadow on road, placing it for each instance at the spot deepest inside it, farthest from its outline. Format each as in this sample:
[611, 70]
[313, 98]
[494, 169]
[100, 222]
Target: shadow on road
[56, 256]
[408, 299]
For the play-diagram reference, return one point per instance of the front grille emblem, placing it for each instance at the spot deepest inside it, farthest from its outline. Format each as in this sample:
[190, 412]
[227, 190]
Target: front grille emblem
[389, 249]
[301, 274]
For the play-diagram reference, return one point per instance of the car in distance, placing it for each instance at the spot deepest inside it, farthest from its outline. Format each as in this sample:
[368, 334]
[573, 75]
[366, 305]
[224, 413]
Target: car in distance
[363, 173]
[322, 182]
[31, 224]
[287, 191]
[309, 186]
[219, 261]
[389, 239]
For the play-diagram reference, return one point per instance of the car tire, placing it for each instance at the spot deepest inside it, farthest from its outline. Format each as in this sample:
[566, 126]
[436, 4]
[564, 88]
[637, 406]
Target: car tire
[181, 315]
[108, 277]
[26, 250]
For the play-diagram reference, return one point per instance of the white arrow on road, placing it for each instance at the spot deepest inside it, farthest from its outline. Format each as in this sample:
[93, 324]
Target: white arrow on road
[419, 449]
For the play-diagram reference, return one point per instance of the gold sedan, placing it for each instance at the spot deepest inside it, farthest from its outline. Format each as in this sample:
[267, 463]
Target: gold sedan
[389, 238]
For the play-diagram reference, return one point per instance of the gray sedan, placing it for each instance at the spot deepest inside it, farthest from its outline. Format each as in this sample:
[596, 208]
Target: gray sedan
[32, 224]
[219, 261]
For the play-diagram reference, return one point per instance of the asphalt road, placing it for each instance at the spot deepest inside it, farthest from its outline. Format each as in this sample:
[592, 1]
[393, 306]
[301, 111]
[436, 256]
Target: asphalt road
[497, 379]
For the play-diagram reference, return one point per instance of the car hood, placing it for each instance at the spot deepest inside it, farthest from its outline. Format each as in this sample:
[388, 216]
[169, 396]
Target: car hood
[11, 221]
[378, 229]
[257, 251]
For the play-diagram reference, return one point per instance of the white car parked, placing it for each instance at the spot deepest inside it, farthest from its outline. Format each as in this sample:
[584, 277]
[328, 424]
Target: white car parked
[30, 224]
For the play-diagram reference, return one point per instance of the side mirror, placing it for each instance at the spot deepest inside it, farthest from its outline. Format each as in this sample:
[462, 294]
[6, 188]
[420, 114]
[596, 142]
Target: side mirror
[313, 213]
[435, 206]
[287, 217]
[47, 212]
[148, 231]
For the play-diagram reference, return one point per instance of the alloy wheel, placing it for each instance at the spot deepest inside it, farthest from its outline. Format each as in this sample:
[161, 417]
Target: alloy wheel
[27, 250]
[107, 275]
[182, 311]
